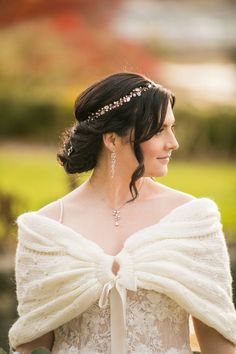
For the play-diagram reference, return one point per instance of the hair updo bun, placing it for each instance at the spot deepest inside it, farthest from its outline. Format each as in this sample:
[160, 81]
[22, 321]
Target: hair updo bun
[83, 142]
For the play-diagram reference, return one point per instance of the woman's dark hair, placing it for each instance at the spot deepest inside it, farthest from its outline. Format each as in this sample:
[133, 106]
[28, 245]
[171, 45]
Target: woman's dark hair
[143, 115]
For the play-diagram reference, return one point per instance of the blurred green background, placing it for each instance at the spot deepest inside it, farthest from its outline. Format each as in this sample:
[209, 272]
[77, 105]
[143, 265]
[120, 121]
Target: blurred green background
[51, 51]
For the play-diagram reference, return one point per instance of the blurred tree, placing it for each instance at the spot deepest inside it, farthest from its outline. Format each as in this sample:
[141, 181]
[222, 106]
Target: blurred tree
[74, 36]
[21, 10]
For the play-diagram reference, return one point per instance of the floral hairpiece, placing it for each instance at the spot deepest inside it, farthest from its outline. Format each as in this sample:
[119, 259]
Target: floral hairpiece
[134, 93]
[125, 99]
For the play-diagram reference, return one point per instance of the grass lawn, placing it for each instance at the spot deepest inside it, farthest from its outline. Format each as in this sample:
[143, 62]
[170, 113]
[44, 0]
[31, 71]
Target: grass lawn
[35, 177]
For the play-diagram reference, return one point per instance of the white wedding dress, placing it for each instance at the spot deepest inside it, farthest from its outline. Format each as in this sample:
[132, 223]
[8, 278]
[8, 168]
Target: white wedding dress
[155, 325]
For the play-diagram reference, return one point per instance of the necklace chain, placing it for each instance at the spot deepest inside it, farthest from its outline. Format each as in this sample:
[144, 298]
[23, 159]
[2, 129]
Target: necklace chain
[115, 212]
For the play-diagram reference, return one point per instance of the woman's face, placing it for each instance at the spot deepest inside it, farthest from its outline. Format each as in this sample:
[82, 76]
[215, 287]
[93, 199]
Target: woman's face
[159, 146]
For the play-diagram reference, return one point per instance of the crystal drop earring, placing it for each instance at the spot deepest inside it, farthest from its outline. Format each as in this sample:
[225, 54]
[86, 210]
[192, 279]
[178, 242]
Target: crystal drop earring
[113, 163]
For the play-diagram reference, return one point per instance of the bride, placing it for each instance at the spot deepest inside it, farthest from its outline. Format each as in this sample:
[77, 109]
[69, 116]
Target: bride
[120, 264]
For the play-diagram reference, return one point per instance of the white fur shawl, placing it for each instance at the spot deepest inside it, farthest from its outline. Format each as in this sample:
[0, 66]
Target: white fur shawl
[60, 273]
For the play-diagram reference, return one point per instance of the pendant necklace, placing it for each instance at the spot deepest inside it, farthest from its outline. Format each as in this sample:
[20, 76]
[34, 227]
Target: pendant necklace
[115, 212]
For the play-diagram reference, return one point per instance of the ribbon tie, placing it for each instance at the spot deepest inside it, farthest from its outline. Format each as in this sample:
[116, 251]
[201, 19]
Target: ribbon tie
[118, 312]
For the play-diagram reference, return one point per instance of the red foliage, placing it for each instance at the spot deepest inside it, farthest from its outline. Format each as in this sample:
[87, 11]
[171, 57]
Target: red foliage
[14, 11]
[84, 27]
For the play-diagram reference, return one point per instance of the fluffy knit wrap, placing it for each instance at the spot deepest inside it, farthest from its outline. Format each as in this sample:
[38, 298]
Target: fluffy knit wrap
[60, 273]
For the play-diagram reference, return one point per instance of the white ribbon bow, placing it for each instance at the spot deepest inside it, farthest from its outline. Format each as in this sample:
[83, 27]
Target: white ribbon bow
[118, 312]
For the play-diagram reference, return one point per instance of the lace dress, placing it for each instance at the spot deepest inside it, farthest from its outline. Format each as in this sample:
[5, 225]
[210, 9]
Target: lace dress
[155, 325]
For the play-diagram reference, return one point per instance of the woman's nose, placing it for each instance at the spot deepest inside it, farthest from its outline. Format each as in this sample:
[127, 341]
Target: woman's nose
[173, 143]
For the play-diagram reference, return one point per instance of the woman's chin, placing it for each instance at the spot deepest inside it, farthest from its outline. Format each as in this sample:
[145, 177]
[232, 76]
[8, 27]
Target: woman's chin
[163, 173]
[158, 173]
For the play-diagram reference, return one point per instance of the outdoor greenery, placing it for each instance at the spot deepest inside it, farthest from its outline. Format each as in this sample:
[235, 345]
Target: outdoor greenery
[200, 130]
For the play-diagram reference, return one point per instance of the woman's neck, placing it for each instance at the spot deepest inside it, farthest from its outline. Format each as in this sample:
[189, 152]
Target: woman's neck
[114, 192]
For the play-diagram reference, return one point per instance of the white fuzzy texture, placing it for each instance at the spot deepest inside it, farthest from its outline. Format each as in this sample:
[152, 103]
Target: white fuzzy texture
[60, 273]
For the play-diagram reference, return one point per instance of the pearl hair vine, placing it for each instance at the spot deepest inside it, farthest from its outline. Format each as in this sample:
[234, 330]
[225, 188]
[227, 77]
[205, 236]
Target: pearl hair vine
[125, 99]
[136, 92]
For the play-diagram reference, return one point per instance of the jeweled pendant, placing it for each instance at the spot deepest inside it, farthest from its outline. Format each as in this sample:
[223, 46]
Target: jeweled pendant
[116, 214]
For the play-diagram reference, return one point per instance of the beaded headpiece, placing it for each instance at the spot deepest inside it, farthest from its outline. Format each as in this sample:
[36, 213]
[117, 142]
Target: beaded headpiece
[134, 93]
[125, 99]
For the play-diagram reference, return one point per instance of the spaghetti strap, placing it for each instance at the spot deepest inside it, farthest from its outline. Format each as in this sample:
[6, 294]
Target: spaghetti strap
[61, 210]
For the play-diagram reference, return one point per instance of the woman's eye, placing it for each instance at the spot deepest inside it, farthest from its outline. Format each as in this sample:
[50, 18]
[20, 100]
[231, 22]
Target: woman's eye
[172, 127]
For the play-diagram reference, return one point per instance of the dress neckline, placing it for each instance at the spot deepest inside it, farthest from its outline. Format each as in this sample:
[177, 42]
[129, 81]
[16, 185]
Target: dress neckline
[130, 237]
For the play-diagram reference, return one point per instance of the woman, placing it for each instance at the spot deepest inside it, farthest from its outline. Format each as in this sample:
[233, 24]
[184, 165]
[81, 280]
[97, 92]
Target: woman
[119, 264]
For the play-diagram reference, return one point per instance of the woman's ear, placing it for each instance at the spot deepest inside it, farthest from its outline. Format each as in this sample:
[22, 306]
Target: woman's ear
[111, 141]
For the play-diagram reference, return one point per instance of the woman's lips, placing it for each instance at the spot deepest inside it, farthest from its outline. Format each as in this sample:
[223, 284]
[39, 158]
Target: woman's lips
[165, 159]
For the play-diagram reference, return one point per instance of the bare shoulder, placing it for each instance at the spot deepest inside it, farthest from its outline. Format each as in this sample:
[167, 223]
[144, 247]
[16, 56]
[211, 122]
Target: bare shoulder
[51, 210]
[182, 197]
[72, 201]
[176, 196]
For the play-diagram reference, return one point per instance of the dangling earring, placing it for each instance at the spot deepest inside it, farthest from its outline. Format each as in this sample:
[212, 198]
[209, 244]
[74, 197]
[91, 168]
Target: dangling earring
[113, 163]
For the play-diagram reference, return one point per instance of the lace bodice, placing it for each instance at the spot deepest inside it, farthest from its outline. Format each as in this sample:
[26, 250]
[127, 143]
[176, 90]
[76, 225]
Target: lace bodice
[155, 325]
